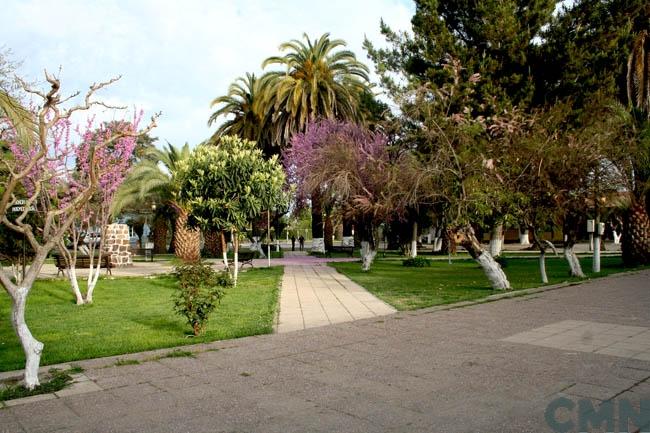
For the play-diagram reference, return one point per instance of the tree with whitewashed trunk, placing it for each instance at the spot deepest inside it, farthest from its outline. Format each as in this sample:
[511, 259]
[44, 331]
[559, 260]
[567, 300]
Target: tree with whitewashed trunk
[112, 145]
[227, 185]
[455, 154]
[41, 170]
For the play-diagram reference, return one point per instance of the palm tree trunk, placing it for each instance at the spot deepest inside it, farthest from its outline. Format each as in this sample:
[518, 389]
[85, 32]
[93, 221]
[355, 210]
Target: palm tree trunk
[212, 246]
[187, 241]
[348, 236]
[328, 232]
[635, 243]
[160, 235]
[318, 244]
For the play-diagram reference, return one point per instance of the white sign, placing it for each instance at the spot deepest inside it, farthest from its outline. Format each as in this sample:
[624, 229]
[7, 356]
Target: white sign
[19, 206]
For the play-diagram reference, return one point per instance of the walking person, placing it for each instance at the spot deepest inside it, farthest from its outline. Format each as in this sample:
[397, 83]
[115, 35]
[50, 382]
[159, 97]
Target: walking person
[293, 242]
[301, 239]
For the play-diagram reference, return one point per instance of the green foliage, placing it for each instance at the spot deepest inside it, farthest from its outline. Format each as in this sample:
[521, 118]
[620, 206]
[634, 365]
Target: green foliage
[200, 288]
[229, 184]
[133, 315]
[316, 80]
[154, 177]
[495, 39]
[590, 41]
[58, 380]
[416, 262]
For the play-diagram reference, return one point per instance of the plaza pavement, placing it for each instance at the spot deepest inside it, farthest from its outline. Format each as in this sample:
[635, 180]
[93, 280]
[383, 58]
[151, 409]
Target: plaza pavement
[491, 367]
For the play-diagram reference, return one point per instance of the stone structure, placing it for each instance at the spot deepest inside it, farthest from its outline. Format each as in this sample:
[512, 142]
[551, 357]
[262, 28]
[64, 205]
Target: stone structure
[116, 245]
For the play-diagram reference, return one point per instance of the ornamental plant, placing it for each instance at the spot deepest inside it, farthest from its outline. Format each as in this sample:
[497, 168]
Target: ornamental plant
[227, 185]
[200, 289]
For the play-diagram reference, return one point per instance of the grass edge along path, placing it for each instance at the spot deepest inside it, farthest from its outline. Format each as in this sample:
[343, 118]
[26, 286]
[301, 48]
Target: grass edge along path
[408, 288]
[132, 315]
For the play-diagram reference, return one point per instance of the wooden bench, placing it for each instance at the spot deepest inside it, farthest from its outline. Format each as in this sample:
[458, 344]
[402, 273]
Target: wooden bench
[244, 258]
[340, 249]
[83, 262]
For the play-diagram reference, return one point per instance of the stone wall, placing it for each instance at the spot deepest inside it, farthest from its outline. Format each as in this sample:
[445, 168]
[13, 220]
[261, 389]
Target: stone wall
[116, 245]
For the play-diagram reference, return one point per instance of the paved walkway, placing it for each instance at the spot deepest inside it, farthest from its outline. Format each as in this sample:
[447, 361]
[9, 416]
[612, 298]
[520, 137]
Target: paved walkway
[316, 295]
[473, 369]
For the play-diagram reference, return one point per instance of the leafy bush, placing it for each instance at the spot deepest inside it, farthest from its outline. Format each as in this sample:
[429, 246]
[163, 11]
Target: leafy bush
[200, 288]
[416, 262]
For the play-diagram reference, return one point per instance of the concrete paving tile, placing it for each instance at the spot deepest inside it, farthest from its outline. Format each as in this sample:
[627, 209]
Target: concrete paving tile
[51, 414]
[9, 425]
[79, 388]
[623, 353]
[27, 400]
[592, 391]
[645, 356]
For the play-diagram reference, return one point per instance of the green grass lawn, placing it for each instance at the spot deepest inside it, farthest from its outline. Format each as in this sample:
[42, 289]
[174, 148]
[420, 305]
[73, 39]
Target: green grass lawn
[132, 315]
[408, 288]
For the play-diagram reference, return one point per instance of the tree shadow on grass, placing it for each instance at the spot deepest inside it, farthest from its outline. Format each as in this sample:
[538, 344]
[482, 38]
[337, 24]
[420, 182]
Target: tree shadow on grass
[163, 324]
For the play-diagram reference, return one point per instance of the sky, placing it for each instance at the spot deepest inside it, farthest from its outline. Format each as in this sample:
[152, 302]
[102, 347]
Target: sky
[176, 56]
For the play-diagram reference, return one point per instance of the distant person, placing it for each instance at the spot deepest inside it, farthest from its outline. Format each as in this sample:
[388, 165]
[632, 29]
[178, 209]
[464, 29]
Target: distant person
[293, 243]
[302, 242]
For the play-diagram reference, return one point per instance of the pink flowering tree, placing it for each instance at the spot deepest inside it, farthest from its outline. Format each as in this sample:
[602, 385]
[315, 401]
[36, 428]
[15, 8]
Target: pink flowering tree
[352, 169]
[111, 147]
[42, 173]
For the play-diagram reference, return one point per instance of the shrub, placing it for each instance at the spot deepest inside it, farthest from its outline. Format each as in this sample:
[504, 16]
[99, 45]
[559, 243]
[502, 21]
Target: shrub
[200, 288]
[416, 262]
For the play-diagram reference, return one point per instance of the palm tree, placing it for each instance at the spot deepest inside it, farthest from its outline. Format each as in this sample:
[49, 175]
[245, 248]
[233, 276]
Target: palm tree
[636, 234]
[155, 177]
[317, 82]
[248, 118]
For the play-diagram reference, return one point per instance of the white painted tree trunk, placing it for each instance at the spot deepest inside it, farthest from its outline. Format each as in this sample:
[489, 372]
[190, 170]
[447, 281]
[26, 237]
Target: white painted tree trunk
[617, 237]
[224, 251]
[493, 271]
[542, 267]
[414, 240]
[257, 246]
[236, 262]
[347, 241]
[524, 238]
[574, 263]
[225, 259]
[437, 245]
[496, 240]
[93, 276]
[74, 283]
[318, 245]
[367, 255]
[31, 346]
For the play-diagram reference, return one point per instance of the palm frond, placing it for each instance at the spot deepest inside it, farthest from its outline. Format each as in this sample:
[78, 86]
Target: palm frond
[21, 118]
